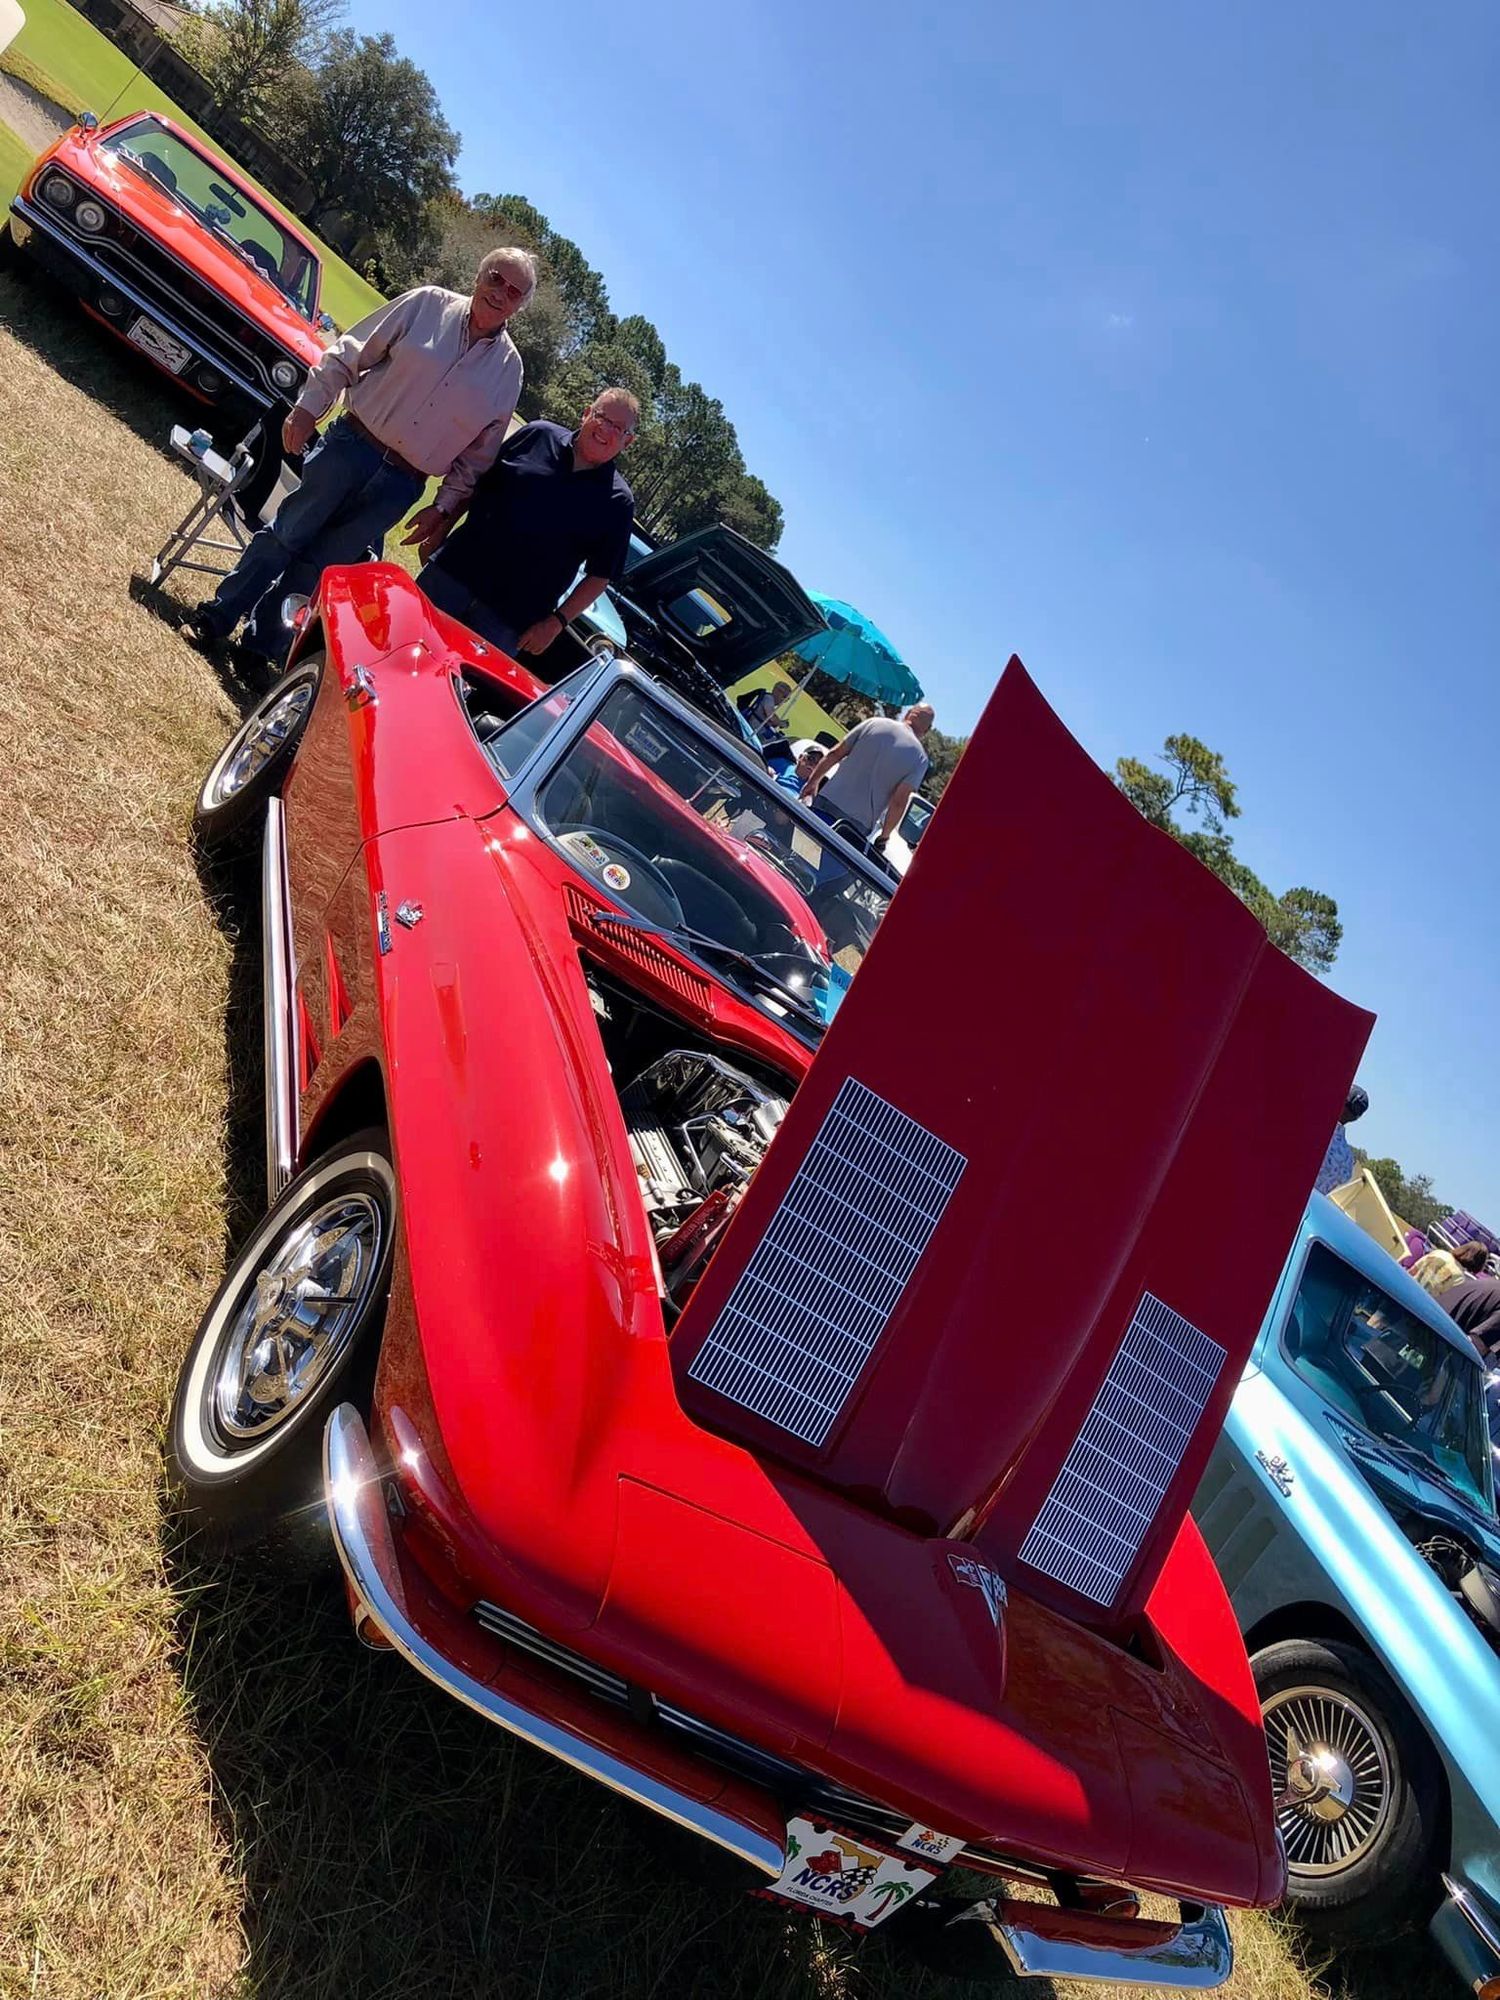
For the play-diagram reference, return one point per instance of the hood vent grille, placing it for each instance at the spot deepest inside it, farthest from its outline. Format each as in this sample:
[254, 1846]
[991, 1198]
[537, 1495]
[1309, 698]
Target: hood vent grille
[1102, 1503]
[798, 1330]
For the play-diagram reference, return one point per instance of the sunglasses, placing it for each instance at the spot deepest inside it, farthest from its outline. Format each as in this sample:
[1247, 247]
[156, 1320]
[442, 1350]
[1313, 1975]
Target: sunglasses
[503, 288]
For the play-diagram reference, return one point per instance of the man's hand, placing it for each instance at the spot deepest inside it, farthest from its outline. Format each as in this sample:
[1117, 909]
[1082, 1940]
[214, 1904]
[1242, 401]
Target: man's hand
[807, 794]
[537, 638]
[427, 530]
[297, 430]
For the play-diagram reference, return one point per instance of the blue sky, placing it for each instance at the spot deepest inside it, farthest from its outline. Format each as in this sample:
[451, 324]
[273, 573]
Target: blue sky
[1155, 343]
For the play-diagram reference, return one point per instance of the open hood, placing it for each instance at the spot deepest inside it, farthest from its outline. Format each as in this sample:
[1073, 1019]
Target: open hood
[905, 1308]
[756, 609]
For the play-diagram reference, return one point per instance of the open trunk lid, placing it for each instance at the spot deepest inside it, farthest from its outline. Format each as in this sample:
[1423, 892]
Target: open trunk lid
[731, 603]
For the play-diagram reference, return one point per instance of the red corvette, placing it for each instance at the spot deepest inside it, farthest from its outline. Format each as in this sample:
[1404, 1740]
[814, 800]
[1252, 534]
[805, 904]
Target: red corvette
[662, 1318]
[170, 247]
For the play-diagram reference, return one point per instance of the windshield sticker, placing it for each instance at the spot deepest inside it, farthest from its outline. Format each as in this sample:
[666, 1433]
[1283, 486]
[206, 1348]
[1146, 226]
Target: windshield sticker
[646, 741]
[615, 875]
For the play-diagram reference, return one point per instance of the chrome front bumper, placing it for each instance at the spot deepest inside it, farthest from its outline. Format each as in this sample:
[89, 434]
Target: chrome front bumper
[1192, 1959]
[62, 244]
[1467, 1933]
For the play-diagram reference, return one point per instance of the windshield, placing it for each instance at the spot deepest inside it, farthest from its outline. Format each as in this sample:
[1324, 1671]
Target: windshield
[663, 821]
[1397, 1377]
[223, 207]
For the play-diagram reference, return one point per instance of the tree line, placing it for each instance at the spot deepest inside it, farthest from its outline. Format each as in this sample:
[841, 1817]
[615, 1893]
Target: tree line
[367, 131]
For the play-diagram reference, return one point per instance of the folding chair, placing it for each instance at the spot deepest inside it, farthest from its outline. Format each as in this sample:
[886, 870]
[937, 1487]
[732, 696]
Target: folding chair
[219, 480]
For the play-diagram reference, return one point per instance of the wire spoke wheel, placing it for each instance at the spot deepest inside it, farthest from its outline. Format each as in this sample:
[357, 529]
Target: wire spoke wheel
[1344, 1819]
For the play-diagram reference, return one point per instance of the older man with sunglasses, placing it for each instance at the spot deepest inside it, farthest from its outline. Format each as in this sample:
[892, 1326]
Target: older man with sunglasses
[429, 384]
[553, 504]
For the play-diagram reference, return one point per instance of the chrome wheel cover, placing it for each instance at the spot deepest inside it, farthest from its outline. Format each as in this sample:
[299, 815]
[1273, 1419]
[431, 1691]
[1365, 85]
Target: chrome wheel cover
[296, 1318]
[258, 739]
[1343, 1817]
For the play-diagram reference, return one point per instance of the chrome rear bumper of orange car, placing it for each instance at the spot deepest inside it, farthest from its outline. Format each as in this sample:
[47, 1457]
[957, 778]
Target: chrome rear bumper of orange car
[1040, 1941]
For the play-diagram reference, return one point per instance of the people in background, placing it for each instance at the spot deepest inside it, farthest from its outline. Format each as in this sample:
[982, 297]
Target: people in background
[1438, 1270]
[429, 384]
[554, 502]
[1339, 1166]
[806, 754]
[872, 772]
[762, 708]
[1474, 1304]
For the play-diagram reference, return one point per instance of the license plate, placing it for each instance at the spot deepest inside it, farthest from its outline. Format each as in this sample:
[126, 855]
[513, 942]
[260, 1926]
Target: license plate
[845, 1878]
[154, 340]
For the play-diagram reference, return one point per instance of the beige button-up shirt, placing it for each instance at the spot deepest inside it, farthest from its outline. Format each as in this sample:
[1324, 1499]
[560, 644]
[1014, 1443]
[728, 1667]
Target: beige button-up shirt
[412, 375]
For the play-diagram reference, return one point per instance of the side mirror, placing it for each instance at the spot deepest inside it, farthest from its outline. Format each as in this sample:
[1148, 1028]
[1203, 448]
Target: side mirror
[326, 323]
[294, 610]
[600, 647]
[87, 122]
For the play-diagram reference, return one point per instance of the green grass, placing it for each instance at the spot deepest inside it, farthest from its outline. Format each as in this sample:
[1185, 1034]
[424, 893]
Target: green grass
[61, 54]
[14, 160]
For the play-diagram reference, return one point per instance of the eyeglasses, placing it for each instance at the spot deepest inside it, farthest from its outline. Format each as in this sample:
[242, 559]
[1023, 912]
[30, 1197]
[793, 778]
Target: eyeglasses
[627, 429]
[502, 288]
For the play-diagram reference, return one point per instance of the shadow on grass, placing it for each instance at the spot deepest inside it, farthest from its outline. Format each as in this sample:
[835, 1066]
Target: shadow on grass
[42, 315]
[391, 1843]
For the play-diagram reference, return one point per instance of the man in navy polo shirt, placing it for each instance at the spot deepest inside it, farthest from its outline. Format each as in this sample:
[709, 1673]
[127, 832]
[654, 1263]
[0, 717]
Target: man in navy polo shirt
[553, 502]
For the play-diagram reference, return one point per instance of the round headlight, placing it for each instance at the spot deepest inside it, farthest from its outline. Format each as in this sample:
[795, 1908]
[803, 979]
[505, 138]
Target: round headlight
[285, 374]
[89, 215]
[60, 192]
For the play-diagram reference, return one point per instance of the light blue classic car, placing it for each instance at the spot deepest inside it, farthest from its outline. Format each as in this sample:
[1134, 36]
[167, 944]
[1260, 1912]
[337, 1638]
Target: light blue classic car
[1350, 1507]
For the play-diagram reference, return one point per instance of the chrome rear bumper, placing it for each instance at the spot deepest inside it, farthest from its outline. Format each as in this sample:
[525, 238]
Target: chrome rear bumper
[1192, 1959]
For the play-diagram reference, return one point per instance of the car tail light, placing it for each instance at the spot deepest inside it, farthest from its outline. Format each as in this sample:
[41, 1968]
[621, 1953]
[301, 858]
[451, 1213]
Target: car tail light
[59, 191]
[90, 215]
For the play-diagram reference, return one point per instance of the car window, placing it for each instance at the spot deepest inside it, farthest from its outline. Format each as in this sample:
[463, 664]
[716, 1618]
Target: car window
[222, 206]
[513, 746]
[660, 817]
[1387, 1370]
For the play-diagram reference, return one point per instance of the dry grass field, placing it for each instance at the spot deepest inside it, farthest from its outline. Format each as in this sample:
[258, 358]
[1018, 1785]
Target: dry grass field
[208, 1791]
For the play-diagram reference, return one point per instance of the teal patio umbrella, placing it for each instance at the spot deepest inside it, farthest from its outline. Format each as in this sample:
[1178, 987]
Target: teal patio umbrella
[856, 653]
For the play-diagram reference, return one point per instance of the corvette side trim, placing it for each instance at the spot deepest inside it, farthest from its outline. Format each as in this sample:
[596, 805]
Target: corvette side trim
[367, 1550]
[276, 984]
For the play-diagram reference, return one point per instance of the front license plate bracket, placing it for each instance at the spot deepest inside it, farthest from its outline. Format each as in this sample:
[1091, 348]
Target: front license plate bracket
[846, 1878]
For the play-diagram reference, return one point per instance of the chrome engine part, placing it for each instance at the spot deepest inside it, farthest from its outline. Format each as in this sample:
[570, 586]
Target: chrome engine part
[698, 1130]
[1472, 1582]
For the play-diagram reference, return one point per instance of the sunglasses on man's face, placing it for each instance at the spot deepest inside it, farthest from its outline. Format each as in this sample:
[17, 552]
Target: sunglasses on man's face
[498, 288]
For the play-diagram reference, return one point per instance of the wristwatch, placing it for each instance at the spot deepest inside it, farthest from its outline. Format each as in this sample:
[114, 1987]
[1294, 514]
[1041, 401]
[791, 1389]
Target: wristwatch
[562, 623]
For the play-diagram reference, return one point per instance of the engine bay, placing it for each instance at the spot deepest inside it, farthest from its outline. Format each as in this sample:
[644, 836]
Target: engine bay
[1474, 1584]
[698, 1121]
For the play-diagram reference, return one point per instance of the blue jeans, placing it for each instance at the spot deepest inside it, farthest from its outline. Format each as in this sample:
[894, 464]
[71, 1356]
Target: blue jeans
[348, 498]
[467, 606]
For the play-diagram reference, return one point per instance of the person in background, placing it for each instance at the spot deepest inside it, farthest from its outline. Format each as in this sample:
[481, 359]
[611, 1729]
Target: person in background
[762, 708]
[1339, 1166]
[872, 772]
[1439, 1270]
[553, 502]
[798, 774]
[1474, 1304]
[430, 384]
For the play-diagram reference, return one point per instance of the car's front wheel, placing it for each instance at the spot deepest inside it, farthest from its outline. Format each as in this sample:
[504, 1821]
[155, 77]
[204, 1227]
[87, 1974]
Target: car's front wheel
[1359, 1790]
[293, 1329]
[254, 762]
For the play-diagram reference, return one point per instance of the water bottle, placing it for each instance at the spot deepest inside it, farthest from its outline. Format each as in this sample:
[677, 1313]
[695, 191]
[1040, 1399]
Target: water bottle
[199, 443]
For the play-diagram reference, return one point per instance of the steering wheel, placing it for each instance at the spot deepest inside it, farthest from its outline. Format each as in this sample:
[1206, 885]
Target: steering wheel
[801, 874]
[658, 904]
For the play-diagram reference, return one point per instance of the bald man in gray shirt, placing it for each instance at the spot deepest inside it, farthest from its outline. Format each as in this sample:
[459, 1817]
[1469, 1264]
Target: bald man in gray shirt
[872, 773]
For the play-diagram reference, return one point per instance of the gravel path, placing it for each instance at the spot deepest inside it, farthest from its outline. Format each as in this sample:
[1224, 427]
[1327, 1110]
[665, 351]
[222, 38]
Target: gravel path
[35, 119]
